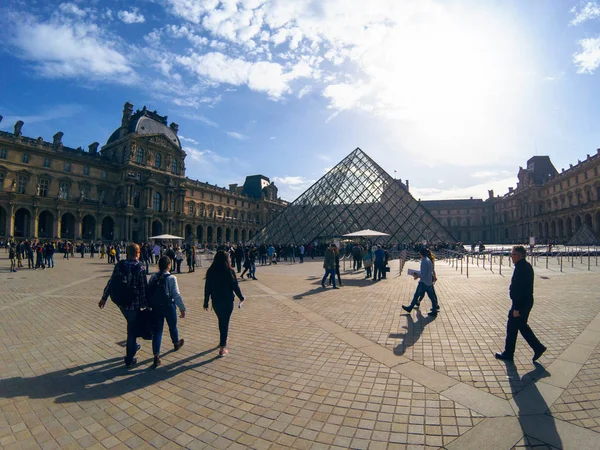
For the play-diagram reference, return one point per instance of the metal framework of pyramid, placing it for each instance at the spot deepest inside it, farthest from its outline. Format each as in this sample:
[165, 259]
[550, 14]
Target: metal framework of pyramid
[584, 236]
[356, 194]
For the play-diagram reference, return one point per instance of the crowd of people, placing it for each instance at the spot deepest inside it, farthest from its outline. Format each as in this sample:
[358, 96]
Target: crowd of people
[160, 295]
[146, 305]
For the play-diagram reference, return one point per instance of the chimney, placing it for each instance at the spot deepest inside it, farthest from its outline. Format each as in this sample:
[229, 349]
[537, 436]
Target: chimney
[174, 127]
[510, 189]
[407, 186]
[233, 187]
[57, 142]
[93, 147]
[491, 193]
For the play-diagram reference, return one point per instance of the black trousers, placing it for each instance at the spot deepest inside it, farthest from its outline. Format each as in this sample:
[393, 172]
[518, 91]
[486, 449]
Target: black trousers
[516, 325]
[223, 311]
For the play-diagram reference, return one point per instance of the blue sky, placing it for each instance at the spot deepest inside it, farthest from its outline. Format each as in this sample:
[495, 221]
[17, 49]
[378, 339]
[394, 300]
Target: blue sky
[452, 95]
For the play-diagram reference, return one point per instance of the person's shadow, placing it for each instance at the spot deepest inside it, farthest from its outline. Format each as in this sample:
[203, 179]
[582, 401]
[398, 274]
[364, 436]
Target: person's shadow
[76, 384]
[414, 329]
[532, 406]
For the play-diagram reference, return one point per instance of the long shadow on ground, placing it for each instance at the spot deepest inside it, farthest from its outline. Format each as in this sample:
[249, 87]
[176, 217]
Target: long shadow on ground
[76, 384]
[414, 329]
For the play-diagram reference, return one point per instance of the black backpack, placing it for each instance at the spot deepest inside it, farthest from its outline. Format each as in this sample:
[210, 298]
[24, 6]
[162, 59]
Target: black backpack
[122, 288]
[159, 293]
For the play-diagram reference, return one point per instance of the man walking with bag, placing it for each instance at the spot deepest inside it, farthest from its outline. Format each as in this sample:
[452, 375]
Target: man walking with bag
[128, 288]
[521, 294]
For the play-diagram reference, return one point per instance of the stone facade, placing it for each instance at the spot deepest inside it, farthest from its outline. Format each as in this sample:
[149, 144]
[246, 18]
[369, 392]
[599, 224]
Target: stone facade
[133, 188]
[546, 204]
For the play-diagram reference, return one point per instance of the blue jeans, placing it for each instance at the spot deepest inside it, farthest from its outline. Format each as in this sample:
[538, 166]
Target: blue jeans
[423, 289]
[51, 260]
[331, 273]
[131, 318]
[170, 314]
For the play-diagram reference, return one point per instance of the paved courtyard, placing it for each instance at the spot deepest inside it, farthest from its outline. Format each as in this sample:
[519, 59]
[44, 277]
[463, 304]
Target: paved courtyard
[308, 368]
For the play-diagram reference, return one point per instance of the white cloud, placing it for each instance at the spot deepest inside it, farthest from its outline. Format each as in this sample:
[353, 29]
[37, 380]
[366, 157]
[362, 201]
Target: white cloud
[491, 174]
[305, 90]
[71, 8]
[203, 119]
[476, 191]
[205, 156]
[70, 49]
[587, 59]
[291, 187]
[56, 112]
[291, 180]
[238, 136]
[186, 139]
[132, 16]
[591, 10]
[272, 137]
[261, 76]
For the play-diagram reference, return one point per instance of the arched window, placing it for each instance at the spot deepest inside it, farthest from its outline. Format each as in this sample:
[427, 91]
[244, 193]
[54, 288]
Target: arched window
[140, 155]
[157, 160]
[174, 166]
[157, 201]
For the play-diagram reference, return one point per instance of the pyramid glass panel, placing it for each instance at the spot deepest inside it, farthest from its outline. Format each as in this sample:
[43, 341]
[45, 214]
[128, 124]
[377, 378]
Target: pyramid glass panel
[356, 194]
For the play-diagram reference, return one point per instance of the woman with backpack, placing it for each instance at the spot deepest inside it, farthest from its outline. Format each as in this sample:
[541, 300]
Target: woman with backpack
[163, 298]
[221, 285]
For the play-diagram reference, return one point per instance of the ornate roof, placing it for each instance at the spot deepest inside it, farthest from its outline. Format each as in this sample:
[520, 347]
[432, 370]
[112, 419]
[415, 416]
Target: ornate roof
[144, 122]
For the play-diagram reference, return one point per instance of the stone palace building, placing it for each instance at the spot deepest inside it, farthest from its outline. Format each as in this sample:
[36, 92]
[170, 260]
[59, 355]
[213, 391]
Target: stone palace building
[132, 188]
[546, 204]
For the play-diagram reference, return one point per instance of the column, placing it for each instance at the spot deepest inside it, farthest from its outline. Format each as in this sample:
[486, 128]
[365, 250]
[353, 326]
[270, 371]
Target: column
[11, 221]
[35, 221]
[146, 223]
[57, 225]
[79, 226]
[98, 229]
[129, 227]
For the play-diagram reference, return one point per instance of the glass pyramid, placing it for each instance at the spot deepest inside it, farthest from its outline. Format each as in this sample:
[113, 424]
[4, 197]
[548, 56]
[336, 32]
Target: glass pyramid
[356, 194]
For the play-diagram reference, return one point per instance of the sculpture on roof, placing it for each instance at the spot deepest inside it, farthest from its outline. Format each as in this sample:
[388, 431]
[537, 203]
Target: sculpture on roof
[18, 127]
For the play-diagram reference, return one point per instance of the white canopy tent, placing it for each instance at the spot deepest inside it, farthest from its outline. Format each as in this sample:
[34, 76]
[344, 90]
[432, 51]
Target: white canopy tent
[166, 236]
[366, 233]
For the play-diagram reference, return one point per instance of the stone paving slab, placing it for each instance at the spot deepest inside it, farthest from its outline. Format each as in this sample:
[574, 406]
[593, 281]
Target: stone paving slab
[308, 368]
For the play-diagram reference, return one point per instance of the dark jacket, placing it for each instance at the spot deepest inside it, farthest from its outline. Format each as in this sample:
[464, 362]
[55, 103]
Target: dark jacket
[221, 287]
[521, 286]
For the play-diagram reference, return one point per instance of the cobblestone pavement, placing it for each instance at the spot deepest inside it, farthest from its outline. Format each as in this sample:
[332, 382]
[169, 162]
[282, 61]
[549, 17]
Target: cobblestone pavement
[308, 367]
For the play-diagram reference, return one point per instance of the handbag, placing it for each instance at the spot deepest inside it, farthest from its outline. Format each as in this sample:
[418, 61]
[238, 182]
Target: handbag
[387, 268]
[144, 325]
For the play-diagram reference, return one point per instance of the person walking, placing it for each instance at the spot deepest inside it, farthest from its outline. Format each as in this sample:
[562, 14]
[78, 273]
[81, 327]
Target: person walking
[220, 286]
[434, 277]
[329, 266]
[336, 252]
[425, 277]
[378, 263]
[129, 281]
[521, 294]
[178, 259]
[164, 298]
[368, 261]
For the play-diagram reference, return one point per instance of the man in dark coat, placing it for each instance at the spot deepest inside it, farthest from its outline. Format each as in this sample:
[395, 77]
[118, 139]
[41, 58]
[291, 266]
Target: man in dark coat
[521, 294]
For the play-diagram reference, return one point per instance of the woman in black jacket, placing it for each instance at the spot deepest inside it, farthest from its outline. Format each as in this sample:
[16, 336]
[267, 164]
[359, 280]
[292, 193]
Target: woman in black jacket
[221, 284]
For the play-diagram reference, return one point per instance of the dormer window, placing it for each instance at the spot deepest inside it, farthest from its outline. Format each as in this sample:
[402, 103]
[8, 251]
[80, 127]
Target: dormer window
[140, 156]
[157, 160]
